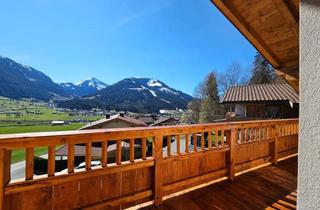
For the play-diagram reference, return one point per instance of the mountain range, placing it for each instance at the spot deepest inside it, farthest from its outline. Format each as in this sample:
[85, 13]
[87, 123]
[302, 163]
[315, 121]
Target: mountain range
[131, 94]
[84, 88]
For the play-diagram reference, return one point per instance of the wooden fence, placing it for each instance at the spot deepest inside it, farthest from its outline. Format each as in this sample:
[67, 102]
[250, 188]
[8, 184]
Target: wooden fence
[181, 157]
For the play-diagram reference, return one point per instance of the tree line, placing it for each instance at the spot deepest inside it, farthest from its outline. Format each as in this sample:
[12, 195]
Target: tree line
[206, 106]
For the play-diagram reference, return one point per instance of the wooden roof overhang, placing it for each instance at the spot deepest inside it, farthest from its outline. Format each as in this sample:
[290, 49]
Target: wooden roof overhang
[272, 27]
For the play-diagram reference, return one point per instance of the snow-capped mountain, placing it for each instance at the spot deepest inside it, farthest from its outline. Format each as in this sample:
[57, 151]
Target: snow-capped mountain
[134, 94]
[85, 87]
[20, 81]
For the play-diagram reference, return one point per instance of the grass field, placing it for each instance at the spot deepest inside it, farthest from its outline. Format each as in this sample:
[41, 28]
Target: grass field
[39, 128]
[19, 154]
[35, 111]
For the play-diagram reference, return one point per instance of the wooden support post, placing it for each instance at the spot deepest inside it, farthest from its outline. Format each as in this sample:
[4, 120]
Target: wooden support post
[231, 139]
[222, 137]
[274, 146]
[29, 163]
[51, 160]
[158, 170]
[5, 173]
[104, 154]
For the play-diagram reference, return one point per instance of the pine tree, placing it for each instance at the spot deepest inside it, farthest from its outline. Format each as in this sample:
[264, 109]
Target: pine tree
[262, 71]
[210, 108]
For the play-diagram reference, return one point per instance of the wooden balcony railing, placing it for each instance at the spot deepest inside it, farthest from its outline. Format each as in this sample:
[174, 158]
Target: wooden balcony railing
[180, 157]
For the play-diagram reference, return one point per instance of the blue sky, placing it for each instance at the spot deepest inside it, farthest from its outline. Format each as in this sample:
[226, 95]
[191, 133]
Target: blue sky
[176, 41]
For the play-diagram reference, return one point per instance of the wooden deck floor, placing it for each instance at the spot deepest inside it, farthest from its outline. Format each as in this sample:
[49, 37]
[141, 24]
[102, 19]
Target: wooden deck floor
[269, 187]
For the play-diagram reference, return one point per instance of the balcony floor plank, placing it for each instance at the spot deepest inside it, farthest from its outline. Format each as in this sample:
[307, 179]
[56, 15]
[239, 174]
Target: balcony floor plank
[270, 187]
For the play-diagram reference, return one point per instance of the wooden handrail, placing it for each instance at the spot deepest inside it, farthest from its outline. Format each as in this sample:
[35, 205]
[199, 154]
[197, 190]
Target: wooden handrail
[224, 140]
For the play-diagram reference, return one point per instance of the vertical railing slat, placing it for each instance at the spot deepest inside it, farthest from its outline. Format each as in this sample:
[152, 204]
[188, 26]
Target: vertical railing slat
[118, 152]
[194, 139]
[216, 139]
[187, 143]
[144, 148]
[132, 150]
[209, 139]
[88, 156]
[168, 138]
[51, 160]
[178, 143]
[274, 148]
[153, 147]
[222, 137]
[29, 163]
[202, 141]
[104, 154]
[70, 158]
[243, 136]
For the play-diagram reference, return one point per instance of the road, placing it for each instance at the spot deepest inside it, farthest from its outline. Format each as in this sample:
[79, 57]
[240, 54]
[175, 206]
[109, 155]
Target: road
[18, 169]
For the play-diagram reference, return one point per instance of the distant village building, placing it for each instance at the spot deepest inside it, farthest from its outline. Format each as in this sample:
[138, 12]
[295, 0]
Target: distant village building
[162, 121]
[115, 121]
[262, 101]
[148, 119]
[57, 122]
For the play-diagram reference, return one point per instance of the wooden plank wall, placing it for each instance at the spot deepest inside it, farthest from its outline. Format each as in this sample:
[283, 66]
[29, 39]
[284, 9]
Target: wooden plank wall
[220, 151]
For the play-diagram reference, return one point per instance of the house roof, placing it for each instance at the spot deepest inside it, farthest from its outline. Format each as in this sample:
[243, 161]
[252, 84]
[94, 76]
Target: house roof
[263, 92]
[272, 26]
[162, 120]
[130, 120]
[147, 119]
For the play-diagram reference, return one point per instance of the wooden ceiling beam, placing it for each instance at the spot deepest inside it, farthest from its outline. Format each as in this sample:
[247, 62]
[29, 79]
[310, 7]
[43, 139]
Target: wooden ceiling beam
[290, 68]
[238, 21]
[293, 82]
[286, 12]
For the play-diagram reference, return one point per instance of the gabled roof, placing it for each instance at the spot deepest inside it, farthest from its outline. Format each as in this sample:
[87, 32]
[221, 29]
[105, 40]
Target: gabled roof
[98, 123]
[259, 93]
[162, 120]
[147, 119]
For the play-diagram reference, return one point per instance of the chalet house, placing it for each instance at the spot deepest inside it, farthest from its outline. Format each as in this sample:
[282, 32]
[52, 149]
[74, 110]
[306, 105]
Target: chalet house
[115, 121]
[148, 119]
[262, 101]
[162, 121]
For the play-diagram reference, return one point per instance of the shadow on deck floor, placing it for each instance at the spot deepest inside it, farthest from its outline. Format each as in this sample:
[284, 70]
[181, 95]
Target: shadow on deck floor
[270, 187]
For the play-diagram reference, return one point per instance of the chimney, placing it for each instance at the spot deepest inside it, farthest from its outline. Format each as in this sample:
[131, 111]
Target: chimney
[121, 114]
[107, 116]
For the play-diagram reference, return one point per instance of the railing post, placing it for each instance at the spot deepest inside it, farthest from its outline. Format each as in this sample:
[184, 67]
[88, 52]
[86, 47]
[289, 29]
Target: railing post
[158, 170]
[231, 139]
[274, 146]
[5, 173]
